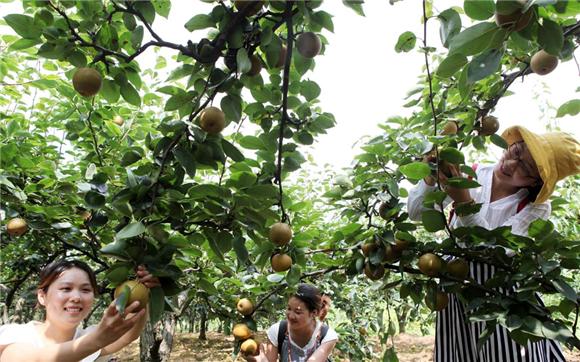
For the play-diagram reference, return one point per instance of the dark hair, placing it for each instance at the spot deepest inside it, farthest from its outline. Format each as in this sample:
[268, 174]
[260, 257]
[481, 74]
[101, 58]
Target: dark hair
[53, 270]
[534, 191]
[310, 295]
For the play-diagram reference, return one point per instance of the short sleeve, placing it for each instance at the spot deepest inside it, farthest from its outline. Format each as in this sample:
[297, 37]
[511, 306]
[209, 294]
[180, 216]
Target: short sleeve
[330, 336]
[273, 334]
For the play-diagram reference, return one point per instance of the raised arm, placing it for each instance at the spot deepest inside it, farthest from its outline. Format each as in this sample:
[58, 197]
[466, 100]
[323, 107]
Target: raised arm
[150, 282]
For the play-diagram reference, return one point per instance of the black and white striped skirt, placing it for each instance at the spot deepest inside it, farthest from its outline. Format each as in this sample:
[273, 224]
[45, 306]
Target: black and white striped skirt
[456, 338]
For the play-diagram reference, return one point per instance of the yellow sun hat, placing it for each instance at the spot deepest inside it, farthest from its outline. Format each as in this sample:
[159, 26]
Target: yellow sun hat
[557, 155]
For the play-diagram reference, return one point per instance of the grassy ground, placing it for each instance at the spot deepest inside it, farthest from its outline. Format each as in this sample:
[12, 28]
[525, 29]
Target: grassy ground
[217, 347]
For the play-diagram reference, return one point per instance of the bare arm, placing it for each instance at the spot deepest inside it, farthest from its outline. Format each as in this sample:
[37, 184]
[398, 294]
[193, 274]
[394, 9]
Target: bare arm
[321, 354]
[111, 327]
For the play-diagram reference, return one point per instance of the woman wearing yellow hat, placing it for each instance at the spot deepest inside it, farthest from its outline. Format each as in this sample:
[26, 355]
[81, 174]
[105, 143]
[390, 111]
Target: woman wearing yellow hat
[513, 192]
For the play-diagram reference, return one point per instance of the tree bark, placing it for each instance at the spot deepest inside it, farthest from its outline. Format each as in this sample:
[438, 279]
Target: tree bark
[157, 341]
[203, 326]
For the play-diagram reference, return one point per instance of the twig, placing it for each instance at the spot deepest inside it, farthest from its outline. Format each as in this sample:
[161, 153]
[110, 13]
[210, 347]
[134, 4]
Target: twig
[284, 116]
[95, 143]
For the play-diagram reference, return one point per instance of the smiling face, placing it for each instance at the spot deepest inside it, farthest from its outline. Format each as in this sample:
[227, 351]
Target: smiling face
[68, 300]
[298, 315]
[517, 168]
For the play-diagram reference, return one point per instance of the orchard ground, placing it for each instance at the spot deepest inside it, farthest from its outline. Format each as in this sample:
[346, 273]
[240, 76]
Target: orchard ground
[218, 347]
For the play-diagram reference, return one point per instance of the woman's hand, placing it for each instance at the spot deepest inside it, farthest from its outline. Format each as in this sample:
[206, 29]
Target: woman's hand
[146, 278]
[446, 171]
[114, 325]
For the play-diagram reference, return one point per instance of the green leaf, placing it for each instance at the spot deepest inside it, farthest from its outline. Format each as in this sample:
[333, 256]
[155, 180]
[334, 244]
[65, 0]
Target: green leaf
[186, 158]
[452, 155]
[355, 5]
[94, 200]
[110, 91]
[231, 151]
[179, 100]
[23, 25]
[571, 108]
[498, 141]
[130, 94]
[450, 65]
[479, 9]
[156, 304]
[565, 289]
[433, 220]
[240, 249]
[252, 143]
[24, 44]
[200, 21]
[324, 19]
[484, 65]
[131, 230]
[122, 299]
[416, 170]
[475, 39]
[137, 37]
[162, 7]
[243, 61]
[309, 89]
[550, 37]
[231, 105]
[130, 157]
[450, 26]
[406, 42]
[146, 9]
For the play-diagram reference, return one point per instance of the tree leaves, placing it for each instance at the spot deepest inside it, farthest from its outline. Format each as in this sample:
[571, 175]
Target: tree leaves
[23, 25]
[433, 220]
[406, 42]
[479, 9]
[199, 21]
[571, 108]
[416, 170]
[476, 39]
[130, 230]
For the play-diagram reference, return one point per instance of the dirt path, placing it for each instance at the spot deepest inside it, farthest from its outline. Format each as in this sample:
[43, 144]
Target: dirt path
[217, 347]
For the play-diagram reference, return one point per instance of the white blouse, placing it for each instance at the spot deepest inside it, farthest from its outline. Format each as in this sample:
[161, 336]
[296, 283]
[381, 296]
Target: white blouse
[502, 212]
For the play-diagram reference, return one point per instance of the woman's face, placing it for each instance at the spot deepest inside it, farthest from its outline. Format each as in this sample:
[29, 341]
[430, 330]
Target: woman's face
[298, 315]
[68, 299]
[517, 167]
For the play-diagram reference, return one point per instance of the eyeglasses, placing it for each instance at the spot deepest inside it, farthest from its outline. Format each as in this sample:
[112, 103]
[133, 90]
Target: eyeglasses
[514, 152]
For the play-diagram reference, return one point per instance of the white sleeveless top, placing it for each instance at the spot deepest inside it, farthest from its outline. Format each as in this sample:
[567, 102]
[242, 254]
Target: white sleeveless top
[28, 333]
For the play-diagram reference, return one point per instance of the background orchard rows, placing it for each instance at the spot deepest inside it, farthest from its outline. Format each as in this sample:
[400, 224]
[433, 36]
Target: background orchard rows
[153, 188]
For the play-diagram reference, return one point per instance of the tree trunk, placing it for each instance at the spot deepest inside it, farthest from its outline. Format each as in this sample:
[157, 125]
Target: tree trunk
[402, 318]
[203, 326]
[157, 341]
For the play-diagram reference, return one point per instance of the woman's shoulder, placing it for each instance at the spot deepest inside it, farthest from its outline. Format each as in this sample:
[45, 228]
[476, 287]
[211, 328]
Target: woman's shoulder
[330, 335]
[17, 333]
[273, 333]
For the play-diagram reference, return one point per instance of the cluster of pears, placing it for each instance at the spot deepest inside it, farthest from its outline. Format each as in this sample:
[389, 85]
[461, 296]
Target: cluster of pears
[138, 292]
[433, 266]
[390, 253]
[489, 125]
[280, 234]
[512, 17]
[242, 333]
